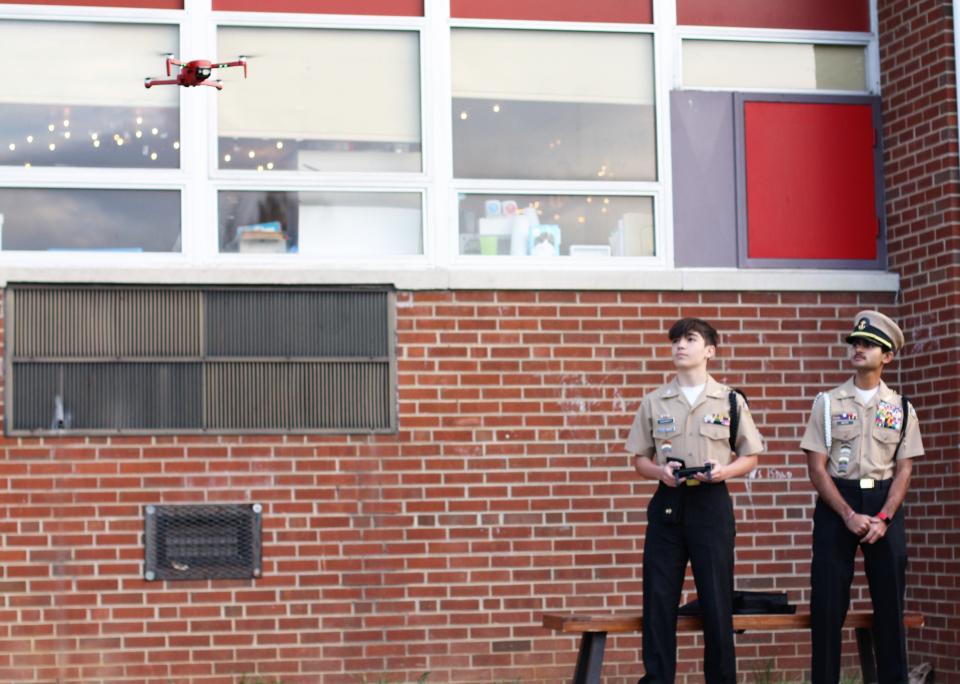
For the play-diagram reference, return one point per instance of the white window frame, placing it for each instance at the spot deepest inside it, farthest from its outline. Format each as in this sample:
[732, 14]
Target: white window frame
[199, 180]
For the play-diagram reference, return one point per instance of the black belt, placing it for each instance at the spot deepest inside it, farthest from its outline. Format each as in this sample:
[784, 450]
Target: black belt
[862, 483]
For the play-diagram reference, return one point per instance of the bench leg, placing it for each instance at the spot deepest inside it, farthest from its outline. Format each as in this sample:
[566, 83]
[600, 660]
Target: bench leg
[868, 663]
[590, 658]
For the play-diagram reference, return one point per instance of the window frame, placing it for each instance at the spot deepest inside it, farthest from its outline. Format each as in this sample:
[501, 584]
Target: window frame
[654, 189]
[199, 180]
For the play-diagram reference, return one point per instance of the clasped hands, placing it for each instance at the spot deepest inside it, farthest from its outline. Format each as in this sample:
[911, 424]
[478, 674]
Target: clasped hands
[870, 529]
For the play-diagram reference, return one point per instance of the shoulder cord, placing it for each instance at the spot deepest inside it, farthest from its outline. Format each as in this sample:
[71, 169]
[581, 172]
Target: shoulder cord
[734, 419]
[827, 432]
[905, 405]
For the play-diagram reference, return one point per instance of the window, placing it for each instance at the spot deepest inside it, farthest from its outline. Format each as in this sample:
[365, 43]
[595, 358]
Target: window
[63, 104]
[776, 66]
[549, 106]
[326, 224]
[61, 219]
[335, 101]
[504, 143]
[94, 360]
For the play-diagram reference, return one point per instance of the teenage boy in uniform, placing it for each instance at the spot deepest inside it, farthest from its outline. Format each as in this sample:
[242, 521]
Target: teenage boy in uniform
[691, 518]
[860, 443]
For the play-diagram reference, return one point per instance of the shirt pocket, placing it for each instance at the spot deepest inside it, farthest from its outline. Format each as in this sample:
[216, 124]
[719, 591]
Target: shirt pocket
[715, 440]
[844, 445]
[665, 441]
[886, 435]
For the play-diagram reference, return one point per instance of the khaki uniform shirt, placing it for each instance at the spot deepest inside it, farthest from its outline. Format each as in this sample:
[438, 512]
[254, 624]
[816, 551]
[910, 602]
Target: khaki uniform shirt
[864, 437]
[666, 425]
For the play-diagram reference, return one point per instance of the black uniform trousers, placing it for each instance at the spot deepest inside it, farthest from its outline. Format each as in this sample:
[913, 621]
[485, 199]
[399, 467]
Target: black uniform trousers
[695, 524]
[885, 562]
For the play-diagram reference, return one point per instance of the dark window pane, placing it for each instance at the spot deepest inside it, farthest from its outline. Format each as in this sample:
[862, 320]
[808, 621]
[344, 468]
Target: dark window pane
[105, 220]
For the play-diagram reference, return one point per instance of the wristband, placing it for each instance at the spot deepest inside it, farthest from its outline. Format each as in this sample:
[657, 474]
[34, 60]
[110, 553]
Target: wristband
[852, 513]
[884, 517]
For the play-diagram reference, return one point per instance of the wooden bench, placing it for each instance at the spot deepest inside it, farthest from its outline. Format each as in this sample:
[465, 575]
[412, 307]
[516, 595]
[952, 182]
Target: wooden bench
[595, 627]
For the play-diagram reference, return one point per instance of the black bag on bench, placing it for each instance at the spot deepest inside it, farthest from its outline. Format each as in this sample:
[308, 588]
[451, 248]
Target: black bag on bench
[749, 603]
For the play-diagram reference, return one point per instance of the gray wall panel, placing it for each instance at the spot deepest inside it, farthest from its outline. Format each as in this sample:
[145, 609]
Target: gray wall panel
[704, 179]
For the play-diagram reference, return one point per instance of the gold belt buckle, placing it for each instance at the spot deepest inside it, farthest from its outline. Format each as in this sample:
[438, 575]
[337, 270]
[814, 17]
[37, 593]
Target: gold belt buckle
[692, 482]
[867, 483]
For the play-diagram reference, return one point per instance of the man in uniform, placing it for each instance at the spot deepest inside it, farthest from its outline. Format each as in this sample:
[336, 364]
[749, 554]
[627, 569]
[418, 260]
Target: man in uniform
[860, 443]
[691, 518]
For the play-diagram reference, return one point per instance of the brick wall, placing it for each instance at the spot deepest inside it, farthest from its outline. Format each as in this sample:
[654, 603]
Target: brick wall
[923, 211]
[506, 493]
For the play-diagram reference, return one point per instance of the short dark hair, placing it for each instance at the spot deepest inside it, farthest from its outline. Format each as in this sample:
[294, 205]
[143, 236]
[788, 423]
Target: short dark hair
[689, 325]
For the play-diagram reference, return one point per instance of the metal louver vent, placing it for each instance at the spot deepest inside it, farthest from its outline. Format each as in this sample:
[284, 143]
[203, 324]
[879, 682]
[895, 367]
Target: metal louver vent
[178, 359]
[202, 542]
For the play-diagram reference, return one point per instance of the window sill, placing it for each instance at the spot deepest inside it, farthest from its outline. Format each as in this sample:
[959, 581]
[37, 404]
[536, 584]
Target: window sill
[418, 276]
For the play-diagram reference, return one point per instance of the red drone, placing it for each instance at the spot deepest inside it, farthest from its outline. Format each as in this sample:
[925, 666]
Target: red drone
[195, 73]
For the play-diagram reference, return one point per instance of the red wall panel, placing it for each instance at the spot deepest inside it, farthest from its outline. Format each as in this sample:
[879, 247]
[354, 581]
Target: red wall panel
[810, 181]
[825, 15]
[616, 11]
[402, 8]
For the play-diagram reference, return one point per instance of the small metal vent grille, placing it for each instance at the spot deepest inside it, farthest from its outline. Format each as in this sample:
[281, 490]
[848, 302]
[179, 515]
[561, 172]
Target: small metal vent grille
[101, 360]
[202, 542]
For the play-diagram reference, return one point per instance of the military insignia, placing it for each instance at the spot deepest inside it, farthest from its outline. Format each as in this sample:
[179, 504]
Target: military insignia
[844, 418]
[889, 416]
[843, 462]
[665, 424]
[864, 322]
[666, 448]
[717, 419]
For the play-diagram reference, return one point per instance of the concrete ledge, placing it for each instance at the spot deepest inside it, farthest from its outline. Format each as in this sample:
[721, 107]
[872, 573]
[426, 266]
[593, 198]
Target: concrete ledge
[419, 277]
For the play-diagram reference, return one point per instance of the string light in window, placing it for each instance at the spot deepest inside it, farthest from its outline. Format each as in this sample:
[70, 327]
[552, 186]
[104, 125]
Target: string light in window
[227, 158]
[496, 109]
[260, 167]
[27, 165]
[66, 123]
[589, 200]
[51, 127]
[96, 143]
[176, 144]
[153, 156]
[270, 166]
[279, 144]
[12, 146]
[154, 130]
[51, 147]
[139, 120]
[139, 134]
[66, 134]
[464, 116]
[94, 136]
[29, 138]
[251, 154]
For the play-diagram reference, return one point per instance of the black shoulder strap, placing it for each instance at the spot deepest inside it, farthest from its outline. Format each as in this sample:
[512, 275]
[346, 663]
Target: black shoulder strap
[905, 405]
[735, 416]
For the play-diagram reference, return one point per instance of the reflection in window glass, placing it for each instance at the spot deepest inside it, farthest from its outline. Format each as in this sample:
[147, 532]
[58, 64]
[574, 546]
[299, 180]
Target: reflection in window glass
[555, 105]
[71, 94]
[321, 224]
[556, 225]
[104, 220]
[321, 100]
[780, 66]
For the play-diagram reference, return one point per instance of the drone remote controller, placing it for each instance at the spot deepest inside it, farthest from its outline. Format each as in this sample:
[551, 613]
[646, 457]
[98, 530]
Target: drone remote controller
[683, 471]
